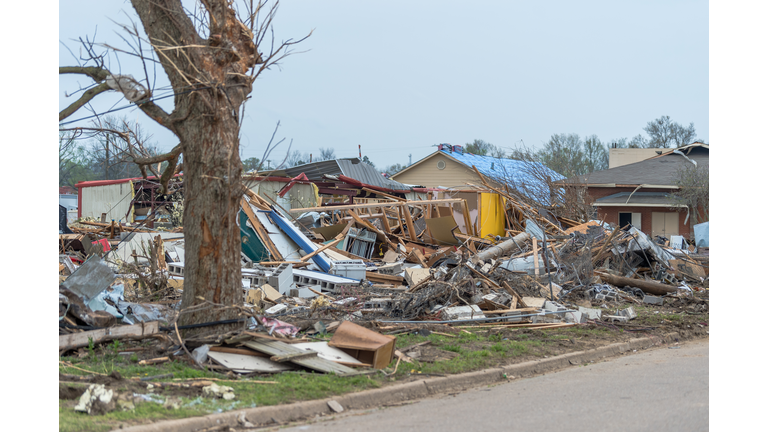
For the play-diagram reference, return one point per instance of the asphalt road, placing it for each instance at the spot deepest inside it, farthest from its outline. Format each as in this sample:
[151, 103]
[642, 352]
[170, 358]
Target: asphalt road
[664, 389]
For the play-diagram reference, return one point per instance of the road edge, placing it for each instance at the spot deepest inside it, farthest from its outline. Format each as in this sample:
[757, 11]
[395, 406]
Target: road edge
[278, 415]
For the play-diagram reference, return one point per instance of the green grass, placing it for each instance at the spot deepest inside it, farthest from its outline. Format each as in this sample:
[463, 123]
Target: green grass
[476, 349]
[290, 387]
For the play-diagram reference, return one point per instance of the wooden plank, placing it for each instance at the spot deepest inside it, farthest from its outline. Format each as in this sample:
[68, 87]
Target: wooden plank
[260, 230]
[392, 197]
[241, 351]
[371, 227]
[503, 311]
[136, 331]
[514, 294]
[465, 210]
[293, 356]
[380, 204]
[485, 278]
[535, 256]
[409, 223]
[320, 249]
[382, 278]
[292, 263]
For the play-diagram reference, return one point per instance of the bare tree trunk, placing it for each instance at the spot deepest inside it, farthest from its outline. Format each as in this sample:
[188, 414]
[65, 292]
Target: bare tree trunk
[212, 192]
[211, 60]
[206, 123]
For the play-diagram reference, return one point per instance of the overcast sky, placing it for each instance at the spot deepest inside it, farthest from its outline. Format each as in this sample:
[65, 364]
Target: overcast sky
[399, 77]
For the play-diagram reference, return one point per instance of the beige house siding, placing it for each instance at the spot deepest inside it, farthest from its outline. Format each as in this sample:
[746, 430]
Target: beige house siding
[625, 156]
[428, 175]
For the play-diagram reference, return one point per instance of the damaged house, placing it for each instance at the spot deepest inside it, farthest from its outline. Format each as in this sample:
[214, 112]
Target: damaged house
[640, 193]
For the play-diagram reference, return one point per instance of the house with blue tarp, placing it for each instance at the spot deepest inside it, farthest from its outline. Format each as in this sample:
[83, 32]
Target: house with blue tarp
[450, 167]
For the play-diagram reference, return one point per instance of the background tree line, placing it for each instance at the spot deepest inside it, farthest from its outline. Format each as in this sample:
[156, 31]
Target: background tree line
[570, 155]
[89, 154]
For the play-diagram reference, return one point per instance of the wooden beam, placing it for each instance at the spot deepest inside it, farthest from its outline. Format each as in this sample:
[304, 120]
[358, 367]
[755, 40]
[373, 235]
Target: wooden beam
[260, 230]
[392, 197]
[366, 224]
[380, 204]
[382, 278]
[467, 220]
[136, 331]
[320, 249]
[409, 223]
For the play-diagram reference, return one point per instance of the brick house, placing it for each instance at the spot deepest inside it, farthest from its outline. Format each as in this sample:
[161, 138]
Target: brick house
[639, 193]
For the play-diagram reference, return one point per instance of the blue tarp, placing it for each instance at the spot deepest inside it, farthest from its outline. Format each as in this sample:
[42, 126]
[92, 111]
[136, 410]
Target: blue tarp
[511, 171]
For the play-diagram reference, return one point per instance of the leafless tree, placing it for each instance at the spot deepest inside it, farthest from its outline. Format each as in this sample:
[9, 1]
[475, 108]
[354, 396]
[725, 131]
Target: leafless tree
[211, 57]
[693, 181]
[533, 183]
[326, 154]
[665, 133]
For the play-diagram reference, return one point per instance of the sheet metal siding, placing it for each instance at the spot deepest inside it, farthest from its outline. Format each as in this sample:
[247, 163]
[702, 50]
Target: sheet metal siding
[114, 200]
[365, 173]
[359, 171]
[315, 170]
[300, 195]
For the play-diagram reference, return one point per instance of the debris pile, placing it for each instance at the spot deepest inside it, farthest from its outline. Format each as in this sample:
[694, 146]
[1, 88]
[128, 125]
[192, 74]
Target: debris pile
[366, 272]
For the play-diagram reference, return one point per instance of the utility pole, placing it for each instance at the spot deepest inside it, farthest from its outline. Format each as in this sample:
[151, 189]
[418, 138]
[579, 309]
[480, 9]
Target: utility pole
[409, 159]
[106, 159]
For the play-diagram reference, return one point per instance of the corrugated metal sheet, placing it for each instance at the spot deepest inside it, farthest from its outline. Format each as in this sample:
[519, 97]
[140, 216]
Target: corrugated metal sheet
[300, 196]
[365, 173]
[112, 199]
[350, 167]
[315, 170]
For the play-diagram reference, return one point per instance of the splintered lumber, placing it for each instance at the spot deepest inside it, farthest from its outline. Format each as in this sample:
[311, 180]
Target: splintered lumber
[649, 287]
[366, 224]
[136, 331]
[392, 197]
[378, 204]
[514, 294]
[292, 263]
[382, 278]
[260, 230]
[602, 248]
[320, 249]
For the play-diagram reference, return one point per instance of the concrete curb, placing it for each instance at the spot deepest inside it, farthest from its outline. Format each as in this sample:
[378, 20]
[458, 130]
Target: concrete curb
[282, 414]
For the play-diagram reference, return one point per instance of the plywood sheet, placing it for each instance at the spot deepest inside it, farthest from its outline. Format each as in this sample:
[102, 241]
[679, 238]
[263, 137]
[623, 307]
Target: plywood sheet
[246, 363]
[442, 230]
[327, 352]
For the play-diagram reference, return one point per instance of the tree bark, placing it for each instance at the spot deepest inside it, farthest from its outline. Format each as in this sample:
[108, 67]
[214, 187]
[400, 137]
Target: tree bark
[211, 83]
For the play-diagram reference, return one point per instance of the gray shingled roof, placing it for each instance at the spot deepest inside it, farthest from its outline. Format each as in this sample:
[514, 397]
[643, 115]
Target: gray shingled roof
[658, 170]
[644, 198]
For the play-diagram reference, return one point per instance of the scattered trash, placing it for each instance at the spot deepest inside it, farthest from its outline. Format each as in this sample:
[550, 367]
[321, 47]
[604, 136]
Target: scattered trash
[216, 391]
[96, 400]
